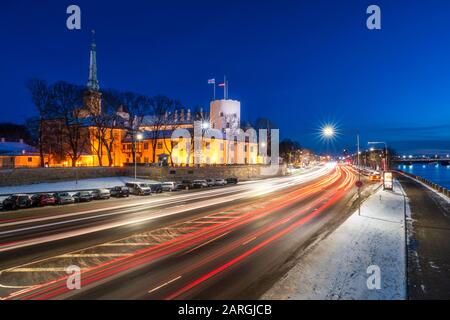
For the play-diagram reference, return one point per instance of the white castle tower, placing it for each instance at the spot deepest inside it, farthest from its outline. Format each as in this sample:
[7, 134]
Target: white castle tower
[225, 114]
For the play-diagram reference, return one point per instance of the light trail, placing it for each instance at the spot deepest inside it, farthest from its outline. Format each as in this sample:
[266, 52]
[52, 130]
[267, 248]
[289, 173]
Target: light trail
[206, 235]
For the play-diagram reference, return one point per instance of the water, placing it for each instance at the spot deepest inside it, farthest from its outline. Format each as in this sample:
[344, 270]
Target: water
[434, 172]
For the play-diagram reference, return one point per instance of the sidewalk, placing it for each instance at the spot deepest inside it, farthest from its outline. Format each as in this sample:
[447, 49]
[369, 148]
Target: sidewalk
[336, 267]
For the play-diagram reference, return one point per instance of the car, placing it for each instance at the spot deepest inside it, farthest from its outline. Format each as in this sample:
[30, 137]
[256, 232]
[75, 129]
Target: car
[211, 182]
[101, 194]
[43, 199]
[169, 186]
[374, 176]
[63, 198]
[156, 187]
[139, 188]
[232, 180]
[199, 184]
[120, 192]
[83, 196]
[220, 182]
[17, 201]
[185, 185]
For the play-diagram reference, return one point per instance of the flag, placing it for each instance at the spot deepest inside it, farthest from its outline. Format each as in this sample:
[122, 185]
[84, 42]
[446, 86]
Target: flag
[212, 81]
[221, 84]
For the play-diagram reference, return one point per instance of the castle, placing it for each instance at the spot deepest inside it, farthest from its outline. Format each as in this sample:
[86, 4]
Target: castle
[148, 145]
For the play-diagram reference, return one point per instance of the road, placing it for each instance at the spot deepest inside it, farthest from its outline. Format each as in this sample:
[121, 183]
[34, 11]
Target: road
[227, 243]
[428, 245]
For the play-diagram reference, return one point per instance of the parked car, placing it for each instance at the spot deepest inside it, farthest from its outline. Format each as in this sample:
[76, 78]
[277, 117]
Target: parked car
[101, 194]
[43, 199]
[83, 196]
[120, 192]
[375, 176]
[156, 187]
[63, 198]
[17, 201]
[185, 185]
[199, 184]
[169, 186]
[211, 182]
[232, 180]
[220, 182]
[139, 188]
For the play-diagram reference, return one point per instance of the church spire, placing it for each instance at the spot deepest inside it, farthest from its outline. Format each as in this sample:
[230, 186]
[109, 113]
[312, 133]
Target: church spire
[93, 81]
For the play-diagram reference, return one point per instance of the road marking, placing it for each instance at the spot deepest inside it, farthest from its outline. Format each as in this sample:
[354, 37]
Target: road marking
[207, 242]
[92, 255]
[37, 270]
[126, 244]
[164, 284]
[248, 241]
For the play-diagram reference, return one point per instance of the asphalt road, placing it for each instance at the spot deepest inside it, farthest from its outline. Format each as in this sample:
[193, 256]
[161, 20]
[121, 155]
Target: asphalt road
[214, 244]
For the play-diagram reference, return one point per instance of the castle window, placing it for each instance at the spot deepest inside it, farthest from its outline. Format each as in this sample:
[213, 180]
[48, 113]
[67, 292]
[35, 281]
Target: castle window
[30, 159]
[159, 145]
[221, 114]
[146, 146]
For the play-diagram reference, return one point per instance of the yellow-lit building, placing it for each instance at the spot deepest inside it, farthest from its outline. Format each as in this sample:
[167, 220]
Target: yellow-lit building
[153, 143]
[17, 154]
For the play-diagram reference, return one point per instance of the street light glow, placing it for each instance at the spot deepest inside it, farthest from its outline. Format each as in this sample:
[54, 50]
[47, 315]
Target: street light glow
[139, 136]
[328, 131]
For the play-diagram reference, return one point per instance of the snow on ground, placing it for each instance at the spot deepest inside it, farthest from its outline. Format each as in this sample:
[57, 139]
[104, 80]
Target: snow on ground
[336, 267]
[84, 184]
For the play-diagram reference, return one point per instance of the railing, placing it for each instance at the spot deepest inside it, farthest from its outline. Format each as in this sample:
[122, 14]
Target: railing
[431, 184]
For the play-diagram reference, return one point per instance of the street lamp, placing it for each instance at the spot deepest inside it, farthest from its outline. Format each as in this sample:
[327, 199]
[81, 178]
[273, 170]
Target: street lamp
[329, 132]
[139, 137]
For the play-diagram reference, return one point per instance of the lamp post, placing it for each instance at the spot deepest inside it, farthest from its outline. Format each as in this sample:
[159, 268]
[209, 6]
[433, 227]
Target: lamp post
[139, 138]
[329, 132]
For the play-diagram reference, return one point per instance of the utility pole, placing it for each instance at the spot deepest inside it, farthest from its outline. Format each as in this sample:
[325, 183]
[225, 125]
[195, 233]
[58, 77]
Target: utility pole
[359, 176]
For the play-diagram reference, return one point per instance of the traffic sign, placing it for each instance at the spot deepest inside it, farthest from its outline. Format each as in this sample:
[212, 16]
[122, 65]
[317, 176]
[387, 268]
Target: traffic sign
[359, 184]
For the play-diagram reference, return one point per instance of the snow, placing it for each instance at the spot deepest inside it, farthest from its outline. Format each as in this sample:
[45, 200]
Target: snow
[84, 184]
[336, 267]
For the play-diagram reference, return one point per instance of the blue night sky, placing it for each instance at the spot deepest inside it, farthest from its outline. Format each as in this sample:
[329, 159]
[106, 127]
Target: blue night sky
[298, 63]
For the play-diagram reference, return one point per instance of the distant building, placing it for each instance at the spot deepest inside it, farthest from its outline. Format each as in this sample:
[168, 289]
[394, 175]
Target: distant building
[17, 154]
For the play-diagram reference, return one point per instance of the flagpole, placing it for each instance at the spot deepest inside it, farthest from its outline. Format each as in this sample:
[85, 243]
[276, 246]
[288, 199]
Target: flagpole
[214, 90]
[225, 88]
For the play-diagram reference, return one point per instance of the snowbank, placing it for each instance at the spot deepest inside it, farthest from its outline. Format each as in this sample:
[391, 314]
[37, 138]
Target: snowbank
[336, 267]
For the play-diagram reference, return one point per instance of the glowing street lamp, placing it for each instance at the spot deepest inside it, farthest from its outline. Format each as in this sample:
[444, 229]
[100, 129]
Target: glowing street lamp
[139, 137]
[328, 131]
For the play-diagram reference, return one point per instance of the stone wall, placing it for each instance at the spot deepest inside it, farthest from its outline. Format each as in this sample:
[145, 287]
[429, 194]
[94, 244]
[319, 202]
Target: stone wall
[12, 177]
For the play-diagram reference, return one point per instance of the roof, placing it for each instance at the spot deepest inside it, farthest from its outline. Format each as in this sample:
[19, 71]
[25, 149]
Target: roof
[16, 149]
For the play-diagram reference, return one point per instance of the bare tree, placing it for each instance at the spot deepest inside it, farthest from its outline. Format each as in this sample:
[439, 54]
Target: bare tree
[112, 103]
[41, 96]
[67, 101]
[160, 107]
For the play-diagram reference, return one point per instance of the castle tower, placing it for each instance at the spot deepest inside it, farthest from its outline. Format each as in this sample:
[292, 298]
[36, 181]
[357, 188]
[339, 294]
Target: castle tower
[225, 114]
[92, 96]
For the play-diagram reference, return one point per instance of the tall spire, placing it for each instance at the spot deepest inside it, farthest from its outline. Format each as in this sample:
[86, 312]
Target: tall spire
[93, 81]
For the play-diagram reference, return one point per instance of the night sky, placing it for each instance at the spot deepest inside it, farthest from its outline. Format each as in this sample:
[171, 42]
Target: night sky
[298, 63]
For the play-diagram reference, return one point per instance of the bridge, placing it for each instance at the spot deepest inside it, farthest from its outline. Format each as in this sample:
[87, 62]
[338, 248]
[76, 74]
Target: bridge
[445, 161]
